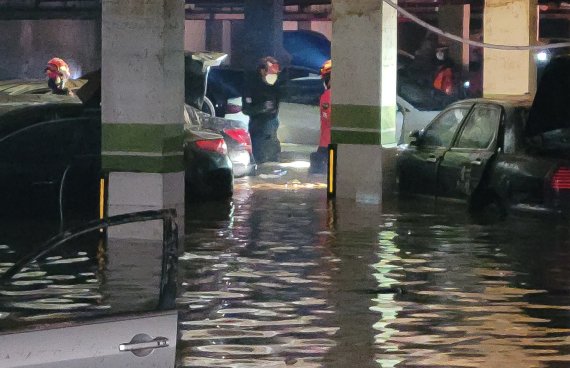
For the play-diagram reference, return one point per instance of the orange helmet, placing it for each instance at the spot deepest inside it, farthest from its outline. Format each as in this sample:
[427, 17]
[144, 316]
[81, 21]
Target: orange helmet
[326, 68]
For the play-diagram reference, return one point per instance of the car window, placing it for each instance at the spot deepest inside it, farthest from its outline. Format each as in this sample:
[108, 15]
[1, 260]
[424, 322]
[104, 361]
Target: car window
[481, 127]
[441, 131]
[422, 97]
[304, 91]
[87, 277]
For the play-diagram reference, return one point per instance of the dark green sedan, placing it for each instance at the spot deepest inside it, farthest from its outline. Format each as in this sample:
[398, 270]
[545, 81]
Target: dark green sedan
[480, 152]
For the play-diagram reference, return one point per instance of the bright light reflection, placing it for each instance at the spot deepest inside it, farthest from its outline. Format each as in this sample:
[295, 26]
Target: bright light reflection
[542, 56]
[296, 164]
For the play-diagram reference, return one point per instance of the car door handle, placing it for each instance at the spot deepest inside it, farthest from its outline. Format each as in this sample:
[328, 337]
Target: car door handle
[431, 158]
[477, 162]
[143, 345]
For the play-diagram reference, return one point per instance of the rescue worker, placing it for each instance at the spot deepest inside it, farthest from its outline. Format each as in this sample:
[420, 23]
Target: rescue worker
[444, 79]
[319, 159]
[261, 104]
[58, 73]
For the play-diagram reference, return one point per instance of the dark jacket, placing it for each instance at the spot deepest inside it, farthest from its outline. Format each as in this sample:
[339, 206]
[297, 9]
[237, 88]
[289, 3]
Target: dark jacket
[260, 100]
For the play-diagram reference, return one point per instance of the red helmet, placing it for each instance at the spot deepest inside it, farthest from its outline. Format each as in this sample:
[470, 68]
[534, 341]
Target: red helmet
[326, 68]
[58, 66]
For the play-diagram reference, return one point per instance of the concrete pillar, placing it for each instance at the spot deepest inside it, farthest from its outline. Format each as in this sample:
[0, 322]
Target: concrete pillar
[142, 103]
[364, 53]
[263, 32]
[512, 22]
[455, 19]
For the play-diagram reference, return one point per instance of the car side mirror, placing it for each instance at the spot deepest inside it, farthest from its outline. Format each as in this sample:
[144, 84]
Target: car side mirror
[415, 136]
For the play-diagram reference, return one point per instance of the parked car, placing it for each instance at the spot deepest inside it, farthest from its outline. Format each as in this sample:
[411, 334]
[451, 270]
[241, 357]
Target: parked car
[235, 133]
[478, 151]
[417, 105]
[50, 148]
[299, 108]
[308, 50]
[82, 301]
[35, 87]
[302, 87]
[511, 154]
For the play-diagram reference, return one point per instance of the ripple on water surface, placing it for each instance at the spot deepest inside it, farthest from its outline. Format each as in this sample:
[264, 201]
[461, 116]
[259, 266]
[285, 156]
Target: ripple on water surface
[342, 285]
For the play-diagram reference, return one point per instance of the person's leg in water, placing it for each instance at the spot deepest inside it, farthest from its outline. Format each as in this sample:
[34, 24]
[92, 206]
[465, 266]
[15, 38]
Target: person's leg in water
[273, 146]
[256, 134]
[266, 145]
[319, 161]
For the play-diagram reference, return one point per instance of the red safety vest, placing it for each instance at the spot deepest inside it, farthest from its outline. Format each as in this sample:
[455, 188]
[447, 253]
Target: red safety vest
[325, 107]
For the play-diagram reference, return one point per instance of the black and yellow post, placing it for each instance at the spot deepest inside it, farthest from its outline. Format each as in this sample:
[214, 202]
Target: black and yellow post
[103, 196]
[331, 172]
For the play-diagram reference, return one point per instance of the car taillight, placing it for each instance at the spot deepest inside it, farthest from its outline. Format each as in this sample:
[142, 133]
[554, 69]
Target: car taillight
[213, 145]
[233, 109]
[561, 179]
[241, 136]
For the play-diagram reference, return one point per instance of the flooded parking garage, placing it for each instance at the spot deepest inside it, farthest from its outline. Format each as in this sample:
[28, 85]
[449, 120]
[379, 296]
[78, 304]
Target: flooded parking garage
[283, 277]
[280, 276]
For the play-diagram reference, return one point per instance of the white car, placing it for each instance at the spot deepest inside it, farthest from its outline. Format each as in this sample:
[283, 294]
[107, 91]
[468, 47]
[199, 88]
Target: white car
[299, 114]
[409, 118]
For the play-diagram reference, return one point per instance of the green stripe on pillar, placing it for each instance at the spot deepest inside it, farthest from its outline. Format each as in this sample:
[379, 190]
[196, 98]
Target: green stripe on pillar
[133, 163]
[344, 137]
[150, 148]
[355, 116]
[156, 138]
[359, 117]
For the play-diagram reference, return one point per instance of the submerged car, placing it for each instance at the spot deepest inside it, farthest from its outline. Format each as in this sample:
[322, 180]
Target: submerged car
[50, 156]
[235, 133]
[81, 300]
[508, 153]
[479, 151]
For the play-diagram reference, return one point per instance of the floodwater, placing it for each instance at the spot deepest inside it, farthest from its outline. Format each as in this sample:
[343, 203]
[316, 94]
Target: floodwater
[281, 277]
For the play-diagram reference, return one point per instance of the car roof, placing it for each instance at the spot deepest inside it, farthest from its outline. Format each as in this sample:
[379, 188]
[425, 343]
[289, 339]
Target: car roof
[507, 102]
[33, 86]
[18, 112]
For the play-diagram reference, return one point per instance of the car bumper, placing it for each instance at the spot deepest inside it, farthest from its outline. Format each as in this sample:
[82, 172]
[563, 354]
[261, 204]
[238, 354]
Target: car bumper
[242, 162]
[209, 177]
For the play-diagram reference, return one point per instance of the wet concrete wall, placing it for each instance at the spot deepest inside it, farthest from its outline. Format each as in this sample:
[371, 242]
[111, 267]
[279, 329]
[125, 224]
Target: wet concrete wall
[26, 46]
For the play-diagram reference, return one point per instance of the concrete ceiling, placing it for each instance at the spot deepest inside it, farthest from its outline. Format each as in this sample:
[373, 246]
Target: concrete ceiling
[205, 9]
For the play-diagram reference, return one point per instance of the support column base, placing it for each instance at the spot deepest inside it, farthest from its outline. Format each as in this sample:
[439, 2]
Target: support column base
[359, 173]
[133, 192]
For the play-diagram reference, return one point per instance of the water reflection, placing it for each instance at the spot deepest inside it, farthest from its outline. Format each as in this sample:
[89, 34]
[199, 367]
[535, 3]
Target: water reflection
[289, 279]
[87, 277]
[279, 276]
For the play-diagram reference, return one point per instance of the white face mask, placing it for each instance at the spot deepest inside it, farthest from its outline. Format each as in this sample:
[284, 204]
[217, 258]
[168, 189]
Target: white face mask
[271, 79]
